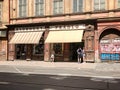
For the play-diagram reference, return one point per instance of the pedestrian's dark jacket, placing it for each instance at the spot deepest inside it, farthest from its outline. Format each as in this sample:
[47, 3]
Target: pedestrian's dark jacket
[80, 51]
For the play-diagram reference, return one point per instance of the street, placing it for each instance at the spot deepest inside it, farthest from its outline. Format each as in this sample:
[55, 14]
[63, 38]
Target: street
[15, 77]
[19, 81]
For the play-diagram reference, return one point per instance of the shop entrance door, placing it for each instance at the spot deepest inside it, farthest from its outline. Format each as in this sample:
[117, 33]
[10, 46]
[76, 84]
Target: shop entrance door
[74, 47]
[21, 52]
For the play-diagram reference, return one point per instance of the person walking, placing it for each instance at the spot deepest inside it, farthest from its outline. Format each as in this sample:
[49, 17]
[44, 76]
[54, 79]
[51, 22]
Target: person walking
[80, 55]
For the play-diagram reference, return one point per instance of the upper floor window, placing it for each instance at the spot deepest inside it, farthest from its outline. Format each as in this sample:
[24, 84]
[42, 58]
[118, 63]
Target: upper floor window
[77, 5]
[58, 7]
[99, 5]
[118, 4]
[0, 11]
[22, 8]
[39, 7]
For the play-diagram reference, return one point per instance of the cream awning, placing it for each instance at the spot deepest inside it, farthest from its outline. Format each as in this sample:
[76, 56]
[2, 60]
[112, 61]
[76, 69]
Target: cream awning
[26, 38]
[64, 36]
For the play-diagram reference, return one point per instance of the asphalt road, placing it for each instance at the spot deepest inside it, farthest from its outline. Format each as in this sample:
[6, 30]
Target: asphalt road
[19, 81]
[38, 78]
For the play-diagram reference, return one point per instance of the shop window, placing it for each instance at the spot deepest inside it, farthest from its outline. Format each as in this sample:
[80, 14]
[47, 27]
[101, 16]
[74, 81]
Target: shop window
[77, 6]
[38, 49]
[39, 7]
[58, 48]
[22, 8]
[99, 5]
[58, 7]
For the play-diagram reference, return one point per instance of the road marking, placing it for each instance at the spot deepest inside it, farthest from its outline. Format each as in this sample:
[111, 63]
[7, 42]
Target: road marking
[4, 83]
[64, 74]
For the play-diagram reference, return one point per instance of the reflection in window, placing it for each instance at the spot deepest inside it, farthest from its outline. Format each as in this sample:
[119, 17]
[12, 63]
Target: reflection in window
[39, 7]
[39, 48]
[57, 48]
[58, 7]
[99, 5]
[22, 8]
[77, 5]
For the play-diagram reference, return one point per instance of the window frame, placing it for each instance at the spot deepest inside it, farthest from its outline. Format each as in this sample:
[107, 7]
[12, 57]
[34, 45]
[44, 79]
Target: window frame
[118, 4]
[60, 9]
[78, 8]
[40, 45]
[1, 11]
[99, 5]
[22, 13]
[53, 48]
[39, 5]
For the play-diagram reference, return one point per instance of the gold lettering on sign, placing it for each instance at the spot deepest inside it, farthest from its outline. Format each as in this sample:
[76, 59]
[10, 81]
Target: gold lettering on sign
[67, 27]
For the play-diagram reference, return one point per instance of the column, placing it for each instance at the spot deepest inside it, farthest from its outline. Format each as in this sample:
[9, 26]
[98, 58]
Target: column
[46, 48]
[29, 52]
[66, 51]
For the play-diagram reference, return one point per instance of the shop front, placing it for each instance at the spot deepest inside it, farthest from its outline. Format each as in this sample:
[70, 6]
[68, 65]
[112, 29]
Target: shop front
[64, 40]
[38, 42]
[26, 43]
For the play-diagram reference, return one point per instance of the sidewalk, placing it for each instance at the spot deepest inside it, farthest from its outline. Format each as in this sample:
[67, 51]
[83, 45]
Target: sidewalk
[113, 67]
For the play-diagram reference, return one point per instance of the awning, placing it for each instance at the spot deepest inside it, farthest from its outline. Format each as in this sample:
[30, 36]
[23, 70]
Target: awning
[64, 36]
[26, 38]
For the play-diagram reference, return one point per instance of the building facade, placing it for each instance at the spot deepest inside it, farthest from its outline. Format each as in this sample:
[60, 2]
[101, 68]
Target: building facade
[37, 27]
[4, 20]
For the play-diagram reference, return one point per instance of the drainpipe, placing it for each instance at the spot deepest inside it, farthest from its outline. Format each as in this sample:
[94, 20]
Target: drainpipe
[7, 29]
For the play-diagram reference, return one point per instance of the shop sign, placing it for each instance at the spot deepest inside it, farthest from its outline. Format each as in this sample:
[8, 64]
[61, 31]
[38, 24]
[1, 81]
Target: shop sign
[67, 27]
[38, 28]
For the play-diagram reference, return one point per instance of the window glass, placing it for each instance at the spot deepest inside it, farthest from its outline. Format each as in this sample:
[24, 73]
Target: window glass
[74, 5]
[80, 5]
[57, 48]
[99, 5]
[58, 7]
[39, 7]
[118, 3]
[2, 33]
[38, 49]
[22, 8]
[77, 5]
[102, 4]
[0, 10]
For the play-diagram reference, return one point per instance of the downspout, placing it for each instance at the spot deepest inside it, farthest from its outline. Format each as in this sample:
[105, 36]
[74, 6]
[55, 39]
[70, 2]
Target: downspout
[8, 29]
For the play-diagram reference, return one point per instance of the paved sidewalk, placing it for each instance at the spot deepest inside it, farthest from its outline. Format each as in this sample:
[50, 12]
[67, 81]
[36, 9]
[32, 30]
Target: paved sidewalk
[114, 67]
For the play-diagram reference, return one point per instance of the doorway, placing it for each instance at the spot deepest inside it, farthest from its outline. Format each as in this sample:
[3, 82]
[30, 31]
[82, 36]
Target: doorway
[21, 51]
[73, 50]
